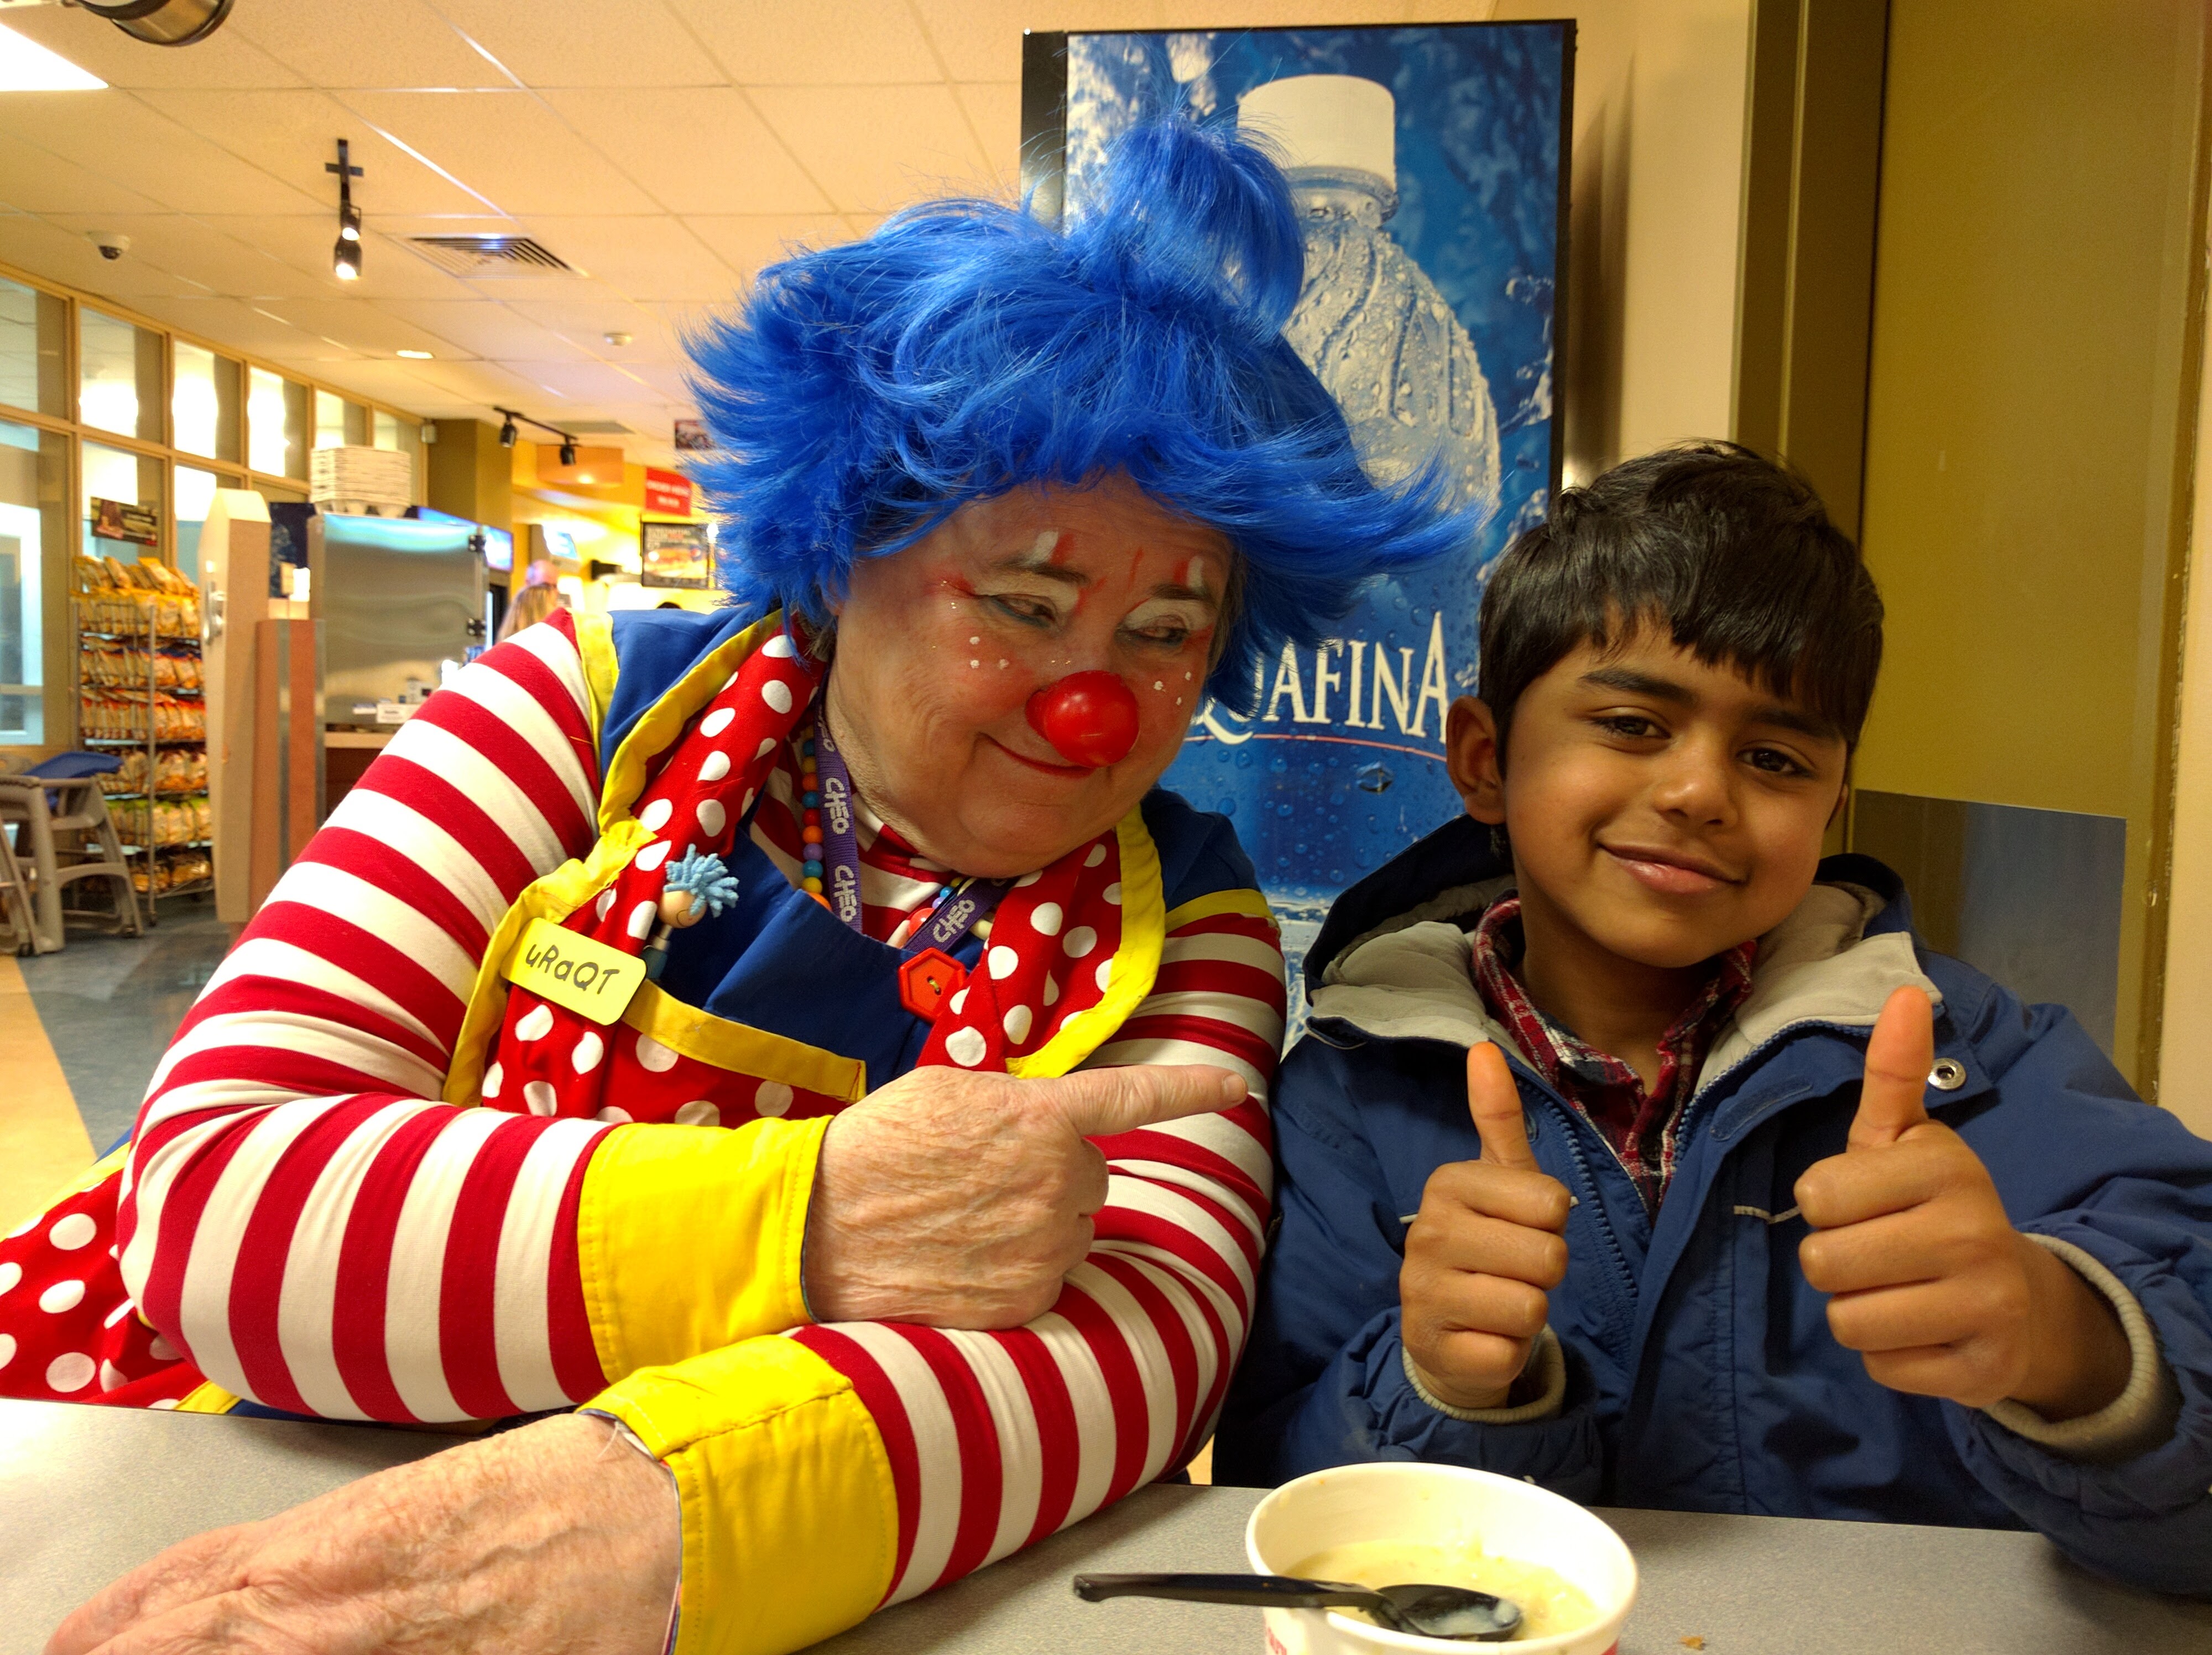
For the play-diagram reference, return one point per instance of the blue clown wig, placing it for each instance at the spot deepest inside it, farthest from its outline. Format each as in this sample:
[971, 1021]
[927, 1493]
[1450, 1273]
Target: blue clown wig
[864, 393]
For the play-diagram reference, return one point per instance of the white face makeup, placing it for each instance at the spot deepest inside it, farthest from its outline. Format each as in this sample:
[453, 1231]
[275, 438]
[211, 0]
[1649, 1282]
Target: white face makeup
[940, 647]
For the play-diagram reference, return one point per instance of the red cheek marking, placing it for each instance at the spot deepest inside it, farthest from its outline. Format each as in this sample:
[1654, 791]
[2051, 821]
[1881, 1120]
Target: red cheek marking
[1090, 718]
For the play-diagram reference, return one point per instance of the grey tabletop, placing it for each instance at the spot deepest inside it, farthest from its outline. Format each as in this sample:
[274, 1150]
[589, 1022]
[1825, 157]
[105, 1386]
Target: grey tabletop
[87, 1492]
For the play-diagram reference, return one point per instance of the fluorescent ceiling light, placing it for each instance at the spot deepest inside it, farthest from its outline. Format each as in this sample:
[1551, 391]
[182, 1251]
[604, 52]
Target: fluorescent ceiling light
[416, 355]
[27, 66]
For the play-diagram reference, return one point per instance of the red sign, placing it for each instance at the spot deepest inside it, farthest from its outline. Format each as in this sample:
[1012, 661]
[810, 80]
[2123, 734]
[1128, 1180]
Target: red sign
[667, 492]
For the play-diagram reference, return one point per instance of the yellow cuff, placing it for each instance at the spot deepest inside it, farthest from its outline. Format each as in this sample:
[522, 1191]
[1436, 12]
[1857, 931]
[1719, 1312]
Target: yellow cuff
[790, 1517]
[689, 1238]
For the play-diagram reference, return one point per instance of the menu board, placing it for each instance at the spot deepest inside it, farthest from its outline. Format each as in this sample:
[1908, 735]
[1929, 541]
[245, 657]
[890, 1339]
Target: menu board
[675, 554]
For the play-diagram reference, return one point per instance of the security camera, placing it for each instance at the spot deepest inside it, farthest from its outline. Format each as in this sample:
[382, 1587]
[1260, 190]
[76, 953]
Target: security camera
[111, 246]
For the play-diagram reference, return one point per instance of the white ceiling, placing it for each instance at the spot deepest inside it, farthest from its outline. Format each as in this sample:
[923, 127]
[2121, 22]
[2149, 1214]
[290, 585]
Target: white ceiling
[665, 148]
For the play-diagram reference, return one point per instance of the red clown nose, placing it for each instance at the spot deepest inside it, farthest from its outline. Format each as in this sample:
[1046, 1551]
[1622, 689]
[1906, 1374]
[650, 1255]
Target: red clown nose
[1090, 718]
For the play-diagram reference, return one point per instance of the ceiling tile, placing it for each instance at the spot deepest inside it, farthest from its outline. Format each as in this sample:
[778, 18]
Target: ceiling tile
[480, 384]
[638, 43]
[826, 43]
[60, 255]
[877, 148]
[225, 58]
[581, 382]
[294, 135]
[508, 146]
[367, 43]
[695, 148]
[746, 244]
[396, 383]
[672, 380]
[586, 321]
[980, 40]
[995, 114]
[354, 326]
[118, 136]
[640, 258]
[233, 324]
[389, 270]
[193, 249]
[33, 181]
[480, 327]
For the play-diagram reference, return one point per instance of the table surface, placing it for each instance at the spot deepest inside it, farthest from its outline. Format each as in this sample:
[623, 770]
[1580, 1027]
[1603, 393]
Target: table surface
[87, 1492]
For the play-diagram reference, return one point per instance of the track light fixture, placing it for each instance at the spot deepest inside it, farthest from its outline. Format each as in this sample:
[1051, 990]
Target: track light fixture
[507, 433]
[345, 257]
[567, 453]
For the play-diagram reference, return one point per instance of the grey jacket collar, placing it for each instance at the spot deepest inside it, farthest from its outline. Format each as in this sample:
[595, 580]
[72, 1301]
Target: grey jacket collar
[1411, 978]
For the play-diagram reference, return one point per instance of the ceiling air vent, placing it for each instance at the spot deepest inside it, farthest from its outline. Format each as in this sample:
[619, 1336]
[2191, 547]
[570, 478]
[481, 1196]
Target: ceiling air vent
[486, 256]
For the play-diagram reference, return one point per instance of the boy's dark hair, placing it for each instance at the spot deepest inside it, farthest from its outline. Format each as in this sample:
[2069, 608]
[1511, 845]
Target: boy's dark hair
[1732, 553]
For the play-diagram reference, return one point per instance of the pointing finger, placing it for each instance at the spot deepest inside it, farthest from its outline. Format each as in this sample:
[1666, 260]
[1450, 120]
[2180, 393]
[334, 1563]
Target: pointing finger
[1900, 1054]
[1102, 1103]
[1495, 1103]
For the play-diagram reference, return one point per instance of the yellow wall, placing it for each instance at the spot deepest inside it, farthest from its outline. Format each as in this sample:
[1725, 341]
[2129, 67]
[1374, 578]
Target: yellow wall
[2028, 415]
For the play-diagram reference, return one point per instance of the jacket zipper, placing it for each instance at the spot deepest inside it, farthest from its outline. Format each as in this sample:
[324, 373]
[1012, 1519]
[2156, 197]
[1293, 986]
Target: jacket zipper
[1565, 1116]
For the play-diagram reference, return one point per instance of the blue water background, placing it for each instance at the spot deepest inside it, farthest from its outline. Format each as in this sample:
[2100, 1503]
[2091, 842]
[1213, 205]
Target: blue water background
[1479, 111]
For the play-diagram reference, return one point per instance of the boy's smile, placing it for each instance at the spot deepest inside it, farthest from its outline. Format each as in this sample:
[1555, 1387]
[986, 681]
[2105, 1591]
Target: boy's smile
[1661, 810]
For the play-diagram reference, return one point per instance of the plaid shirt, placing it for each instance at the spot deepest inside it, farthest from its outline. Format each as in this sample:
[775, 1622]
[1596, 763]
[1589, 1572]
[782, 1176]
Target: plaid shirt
[1641, 1126]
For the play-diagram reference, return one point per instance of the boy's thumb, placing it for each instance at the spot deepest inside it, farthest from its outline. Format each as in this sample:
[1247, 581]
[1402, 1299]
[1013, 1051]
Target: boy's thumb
[1900, 1054]
[1495, 1103]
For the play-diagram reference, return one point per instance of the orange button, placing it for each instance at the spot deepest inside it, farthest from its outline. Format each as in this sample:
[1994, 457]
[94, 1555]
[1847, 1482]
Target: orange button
[928, 980]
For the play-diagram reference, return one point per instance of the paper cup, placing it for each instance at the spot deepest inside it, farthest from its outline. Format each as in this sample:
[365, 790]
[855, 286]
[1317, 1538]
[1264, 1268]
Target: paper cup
[1445, 1504]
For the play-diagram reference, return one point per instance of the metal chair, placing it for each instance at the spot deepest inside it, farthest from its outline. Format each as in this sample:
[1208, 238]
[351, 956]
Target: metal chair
[40, 805]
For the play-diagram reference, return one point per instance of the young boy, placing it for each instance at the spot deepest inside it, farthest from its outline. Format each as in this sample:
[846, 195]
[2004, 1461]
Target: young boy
[1580, 1181]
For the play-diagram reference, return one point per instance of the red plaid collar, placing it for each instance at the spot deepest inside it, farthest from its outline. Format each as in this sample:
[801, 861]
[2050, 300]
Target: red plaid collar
[1641, 1126]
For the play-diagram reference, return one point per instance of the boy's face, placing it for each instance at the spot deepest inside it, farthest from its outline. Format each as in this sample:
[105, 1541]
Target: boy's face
[1659, 808]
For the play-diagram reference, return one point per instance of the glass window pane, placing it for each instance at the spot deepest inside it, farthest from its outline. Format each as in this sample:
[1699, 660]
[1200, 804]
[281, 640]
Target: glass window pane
[120, 376]
[203, 402]
[387, 430]
[32, 605]
[330, 420]
[31, 326]
[195, 494]
[276, 412]
[404, 436]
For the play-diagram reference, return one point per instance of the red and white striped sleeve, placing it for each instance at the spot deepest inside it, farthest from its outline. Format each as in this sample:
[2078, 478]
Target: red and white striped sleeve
[998, 1440]
[300, 1214]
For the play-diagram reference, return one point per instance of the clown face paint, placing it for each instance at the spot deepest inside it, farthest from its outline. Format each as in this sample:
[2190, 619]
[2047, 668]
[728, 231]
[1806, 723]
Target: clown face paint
[940, 647]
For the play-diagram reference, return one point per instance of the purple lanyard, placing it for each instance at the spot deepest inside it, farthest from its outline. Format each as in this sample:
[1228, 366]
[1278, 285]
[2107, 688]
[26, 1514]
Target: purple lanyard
[958, 911]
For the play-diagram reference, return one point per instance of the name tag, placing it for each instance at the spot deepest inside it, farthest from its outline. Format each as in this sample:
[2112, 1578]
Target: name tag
[586, 978]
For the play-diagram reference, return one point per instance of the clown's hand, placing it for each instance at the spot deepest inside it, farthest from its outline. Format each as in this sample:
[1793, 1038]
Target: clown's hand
[960, 1200]
[549, 1538]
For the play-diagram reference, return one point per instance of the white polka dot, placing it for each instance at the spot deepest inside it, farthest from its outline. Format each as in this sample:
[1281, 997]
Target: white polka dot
[1112, 893]
[777, 694]
[161, 1350]
[766, 743]
[641, 918]
[74, 1231]
[779, 648]
[606, 901]
[1105, 973]
[699, 1113]
[10, 1273]
[959, 1003]
[1097, 855]
[773, 1097]
[116, 1315]
[965, 1047]
[588, 1052]
[717, 722]
[111, 1377]
[713, 817]
[1051, 992]
[652, 1055]
[493, 1078]
[538, 1094]
[62, 1296]
[1017, 1023]
[7, 1348]
[535, 1024]
[653, 855]
[1028, 879]
[1002, 961]
[654, 817]
[1047, 919]
[746, 803]
[71, 1373]
[1080, 941]
[716, 767]
[166, 1402]
[614, 1115]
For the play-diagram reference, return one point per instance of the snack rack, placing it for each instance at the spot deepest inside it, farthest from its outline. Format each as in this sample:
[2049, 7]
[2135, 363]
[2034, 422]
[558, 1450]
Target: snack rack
[141, 694]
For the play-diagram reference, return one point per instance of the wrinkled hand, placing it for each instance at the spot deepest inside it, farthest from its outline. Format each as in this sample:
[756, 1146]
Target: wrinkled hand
[1930, 1282]
[1488, 1245]
[553, 1539]
[960, 1201]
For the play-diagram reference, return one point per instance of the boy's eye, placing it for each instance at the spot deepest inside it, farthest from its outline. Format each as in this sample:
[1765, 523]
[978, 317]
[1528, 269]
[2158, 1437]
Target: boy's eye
[1775, 763]
[1629, 727]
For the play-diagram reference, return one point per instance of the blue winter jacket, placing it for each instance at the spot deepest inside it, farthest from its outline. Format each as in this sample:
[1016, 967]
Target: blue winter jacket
[1699, 1371]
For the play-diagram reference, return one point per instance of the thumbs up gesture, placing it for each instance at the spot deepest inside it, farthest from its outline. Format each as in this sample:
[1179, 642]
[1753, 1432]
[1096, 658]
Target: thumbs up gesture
[1487, 1248]
[1928, 1280]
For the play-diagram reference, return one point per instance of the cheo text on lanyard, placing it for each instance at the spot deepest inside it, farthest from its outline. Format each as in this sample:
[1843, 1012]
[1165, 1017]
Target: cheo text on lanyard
[955, 911]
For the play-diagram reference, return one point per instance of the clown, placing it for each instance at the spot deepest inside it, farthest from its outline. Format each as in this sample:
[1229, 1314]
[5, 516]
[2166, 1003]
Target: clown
[803, 1038]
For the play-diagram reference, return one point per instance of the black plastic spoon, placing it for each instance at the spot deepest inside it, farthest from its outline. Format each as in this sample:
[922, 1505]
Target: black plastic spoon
[1460, 1612]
